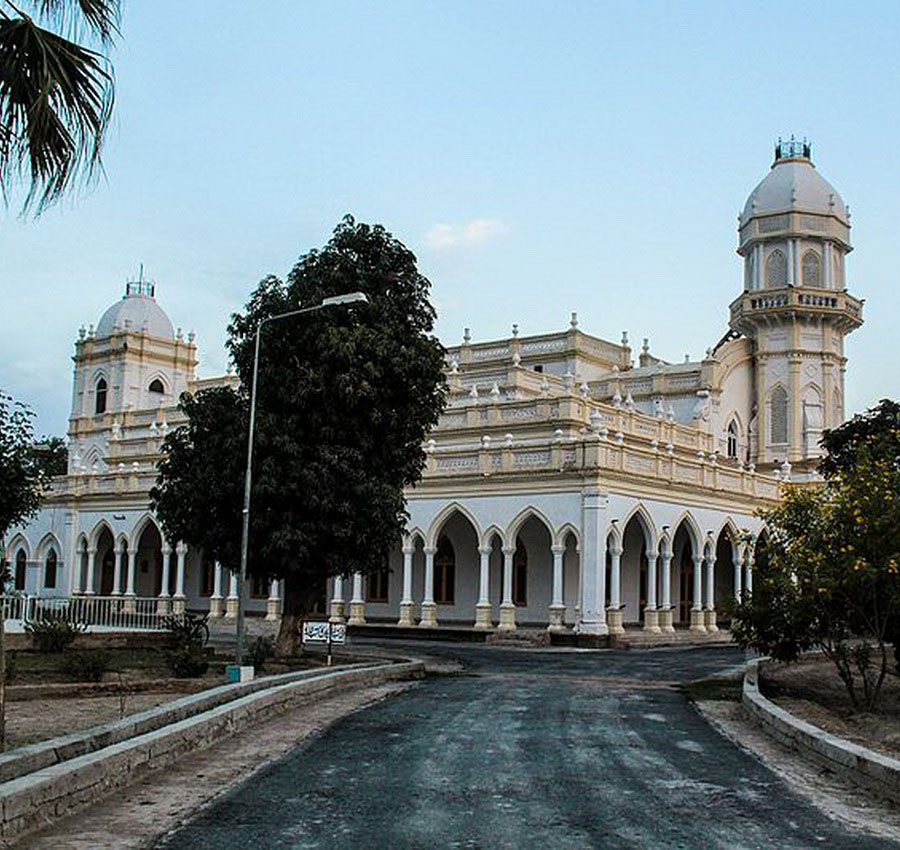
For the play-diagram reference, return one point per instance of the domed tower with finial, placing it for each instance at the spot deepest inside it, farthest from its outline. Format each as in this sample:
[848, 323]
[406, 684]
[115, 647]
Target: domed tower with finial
[794, 235]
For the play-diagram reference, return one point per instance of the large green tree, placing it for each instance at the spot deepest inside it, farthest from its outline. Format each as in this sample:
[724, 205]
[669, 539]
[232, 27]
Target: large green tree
[56, 93]
[346, 396]
[831, 576]
[22, 482]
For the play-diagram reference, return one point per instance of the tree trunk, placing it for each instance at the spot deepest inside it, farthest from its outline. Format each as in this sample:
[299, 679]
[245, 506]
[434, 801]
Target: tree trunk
[295, 606]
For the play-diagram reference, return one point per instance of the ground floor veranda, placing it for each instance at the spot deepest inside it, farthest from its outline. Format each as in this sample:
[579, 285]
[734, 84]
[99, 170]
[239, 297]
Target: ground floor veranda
[462, 563]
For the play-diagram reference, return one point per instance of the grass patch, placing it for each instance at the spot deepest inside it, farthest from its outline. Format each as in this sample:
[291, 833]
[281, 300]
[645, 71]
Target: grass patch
[716, 690]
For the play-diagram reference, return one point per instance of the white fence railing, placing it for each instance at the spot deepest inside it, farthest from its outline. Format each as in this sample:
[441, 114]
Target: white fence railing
[97, 613]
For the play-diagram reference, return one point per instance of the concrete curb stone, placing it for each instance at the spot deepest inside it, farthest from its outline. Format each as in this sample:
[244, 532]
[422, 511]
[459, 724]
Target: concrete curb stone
[31, 801]
[879, 773]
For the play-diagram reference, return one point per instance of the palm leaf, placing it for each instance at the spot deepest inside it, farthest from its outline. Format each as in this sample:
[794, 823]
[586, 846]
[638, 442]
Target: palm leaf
[56, 101]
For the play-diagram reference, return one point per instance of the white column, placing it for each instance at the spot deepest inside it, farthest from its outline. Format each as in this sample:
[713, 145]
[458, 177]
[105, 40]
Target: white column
[697, 618]
[557, 603]
[117, 572]
[737, 555]
[651, 615]
[215, 601]
[336, 614]
[751, 561]
[507, 606]
[483, 610]
[76, 567]
[178, 604]
[429, 608]
[357, 602]
[130, 580]
[132, 572]
[162, 601]
[592, 567]
[407, 606]
[665, 619]
[232, 601]
[710, 621]
[92, 564]
[614, 615]
[273, 600]
[757, 267]
[827, 280]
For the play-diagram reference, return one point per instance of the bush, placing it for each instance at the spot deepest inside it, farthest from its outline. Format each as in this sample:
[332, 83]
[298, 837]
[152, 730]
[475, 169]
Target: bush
[53, 631]
[86, 666]
[259, 651]
[188, 635]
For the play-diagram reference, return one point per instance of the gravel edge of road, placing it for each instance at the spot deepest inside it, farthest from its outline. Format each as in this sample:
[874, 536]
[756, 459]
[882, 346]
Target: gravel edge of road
[144, 814]
[840, 800]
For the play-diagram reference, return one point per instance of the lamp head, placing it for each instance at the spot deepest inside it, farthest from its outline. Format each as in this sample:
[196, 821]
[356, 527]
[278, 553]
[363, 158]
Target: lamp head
[346, 298]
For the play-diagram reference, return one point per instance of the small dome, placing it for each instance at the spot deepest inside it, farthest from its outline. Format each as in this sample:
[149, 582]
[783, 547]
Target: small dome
[137, 311]
[794, 184]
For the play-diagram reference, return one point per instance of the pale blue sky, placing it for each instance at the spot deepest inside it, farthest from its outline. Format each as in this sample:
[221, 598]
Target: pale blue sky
[538, 157]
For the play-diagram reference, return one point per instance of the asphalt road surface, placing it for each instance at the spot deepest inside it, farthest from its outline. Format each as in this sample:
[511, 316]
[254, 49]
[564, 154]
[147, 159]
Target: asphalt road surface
[526, 749]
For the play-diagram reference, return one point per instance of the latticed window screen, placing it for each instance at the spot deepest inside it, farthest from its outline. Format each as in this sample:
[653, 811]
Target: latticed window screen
[732, 439]
[776, 269]
[779, 415]
[811, 269]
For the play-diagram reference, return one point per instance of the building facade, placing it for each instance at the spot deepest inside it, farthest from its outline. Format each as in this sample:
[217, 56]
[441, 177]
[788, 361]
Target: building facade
[566, 486]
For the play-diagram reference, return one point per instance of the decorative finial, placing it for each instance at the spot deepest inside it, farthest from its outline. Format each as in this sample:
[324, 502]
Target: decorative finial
[495, 390]
[81, 332]
[191, 336]
[645, 348]
[515, 330]
[687, 358]
[573, 323]
[454, 367]
[473, 393]
[467, 337]
[624, 337]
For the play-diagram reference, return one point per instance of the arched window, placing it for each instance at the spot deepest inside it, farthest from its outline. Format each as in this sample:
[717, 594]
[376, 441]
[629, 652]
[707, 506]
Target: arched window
[779, 415]
[444, 572]
[156, 386]
[50, 569]
[732, 442]
[776, 270]
[811, 269]
[100, 397]
[20, 570]
[520, 575]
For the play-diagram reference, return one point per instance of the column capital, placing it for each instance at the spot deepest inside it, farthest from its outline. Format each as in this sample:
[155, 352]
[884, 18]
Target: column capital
[558, 548]
[485, 550]
[430, 550]
[181, 547]
[509, 551]
[616, 551]
[408, 549]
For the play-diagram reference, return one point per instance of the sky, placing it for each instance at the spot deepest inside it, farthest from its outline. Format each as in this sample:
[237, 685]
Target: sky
[538, 157]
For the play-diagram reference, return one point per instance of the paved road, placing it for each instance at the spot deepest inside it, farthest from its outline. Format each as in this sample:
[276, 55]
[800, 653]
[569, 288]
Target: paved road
[526, 749]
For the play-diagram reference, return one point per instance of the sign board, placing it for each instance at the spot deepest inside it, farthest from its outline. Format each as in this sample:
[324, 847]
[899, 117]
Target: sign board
[324, 632]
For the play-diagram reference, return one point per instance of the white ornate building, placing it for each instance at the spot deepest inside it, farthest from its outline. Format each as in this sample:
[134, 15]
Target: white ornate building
[565, 485]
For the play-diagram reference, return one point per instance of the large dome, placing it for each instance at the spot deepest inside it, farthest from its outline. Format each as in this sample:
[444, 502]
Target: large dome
[794, 184]
[137, 311]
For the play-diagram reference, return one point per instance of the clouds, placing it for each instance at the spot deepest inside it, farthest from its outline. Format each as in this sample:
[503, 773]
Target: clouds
[474, 232]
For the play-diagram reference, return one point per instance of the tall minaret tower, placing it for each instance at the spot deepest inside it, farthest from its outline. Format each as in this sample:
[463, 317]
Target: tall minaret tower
[794, 235]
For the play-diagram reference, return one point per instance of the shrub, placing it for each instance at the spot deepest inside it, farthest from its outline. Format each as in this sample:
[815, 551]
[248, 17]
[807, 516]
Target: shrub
[259, 651]
[53, 631]
[188, 635]
[86, 666]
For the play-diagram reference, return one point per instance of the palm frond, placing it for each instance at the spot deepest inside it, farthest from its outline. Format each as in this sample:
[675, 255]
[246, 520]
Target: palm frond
[102, 16]
[56, 101]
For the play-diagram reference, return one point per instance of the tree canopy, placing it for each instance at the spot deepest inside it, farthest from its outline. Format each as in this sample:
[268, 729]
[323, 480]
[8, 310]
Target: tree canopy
[56, 92]
[346, 396]
[22, 479]
[831, 576]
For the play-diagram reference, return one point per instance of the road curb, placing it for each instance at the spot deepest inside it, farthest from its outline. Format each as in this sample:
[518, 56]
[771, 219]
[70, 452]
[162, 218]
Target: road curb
[31, 801]
[860, 765]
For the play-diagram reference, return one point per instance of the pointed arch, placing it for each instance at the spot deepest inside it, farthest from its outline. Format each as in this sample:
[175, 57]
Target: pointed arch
[651, 535]
[564, 531]
[19, 541]
[98, 530]
[122, 542]
[413, 534]
[694, 534]
[441, 518]
[778, 415]
[140, 527]
[512, 530]
[48, 541]
[158, 383]
[730, 530]
[487, 539]
[811, 268]
[776, 269]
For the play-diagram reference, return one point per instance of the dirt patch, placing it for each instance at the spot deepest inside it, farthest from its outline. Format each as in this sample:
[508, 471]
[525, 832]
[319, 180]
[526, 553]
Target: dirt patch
[812, 691]
[137, 816]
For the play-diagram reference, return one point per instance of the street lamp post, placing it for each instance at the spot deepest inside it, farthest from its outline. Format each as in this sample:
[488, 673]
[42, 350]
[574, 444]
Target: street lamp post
[334, 301]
